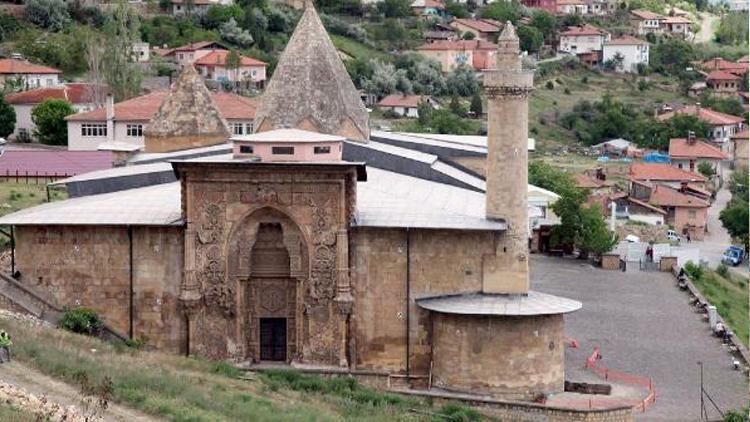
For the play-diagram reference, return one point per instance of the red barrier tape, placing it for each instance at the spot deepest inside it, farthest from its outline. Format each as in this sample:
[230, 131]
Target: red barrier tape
[610, 374]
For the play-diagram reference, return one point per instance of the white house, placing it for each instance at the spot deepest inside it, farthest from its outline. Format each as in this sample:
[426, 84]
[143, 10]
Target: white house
[119, 127]
[632, 51]
[83, 97]
[646, 21]
[572, 7]
[582, 39]
[723, 125]
[406, 105]
[141, 52]
[688, 154]
[213, 66]
[189, 53]
[23, 74]
[677, 25]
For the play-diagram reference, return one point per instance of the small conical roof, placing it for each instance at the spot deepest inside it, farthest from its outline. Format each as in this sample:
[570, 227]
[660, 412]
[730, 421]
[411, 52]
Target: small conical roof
[310, 88]
[509, 33]
[188, 110]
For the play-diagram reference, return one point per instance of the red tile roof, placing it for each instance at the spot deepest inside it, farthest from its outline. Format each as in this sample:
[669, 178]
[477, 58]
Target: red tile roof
[587, 182]
[481, 25]
[626, 40]
[711, 116]
[143, 108]
[435, 4]
[397, 100]
[663, 172]
[198, 45]
[646, 15]
[676, 20]
[74, 93]
[20, 66]
[721, 75]
[681, 148]
[219, 58]
[718, 63]
[745, 59]
[460, 45]
[665, 196]
[51, 162]
[587, 29]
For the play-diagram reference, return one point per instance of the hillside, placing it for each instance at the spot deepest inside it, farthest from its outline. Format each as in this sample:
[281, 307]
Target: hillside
[180, 388]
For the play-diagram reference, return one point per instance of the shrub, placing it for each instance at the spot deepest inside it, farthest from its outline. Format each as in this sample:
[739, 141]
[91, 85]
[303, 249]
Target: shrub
[722, 270]
[585, 79]
[694, 271]
[549, 85]
[457, 413]
[567, 91]
[81, 321]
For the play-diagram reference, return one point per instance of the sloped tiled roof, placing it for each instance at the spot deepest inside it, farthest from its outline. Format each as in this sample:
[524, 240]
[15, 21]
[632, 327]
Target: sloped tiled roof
[310, 86]
[20, 66]
[481, 25]
[659, 171]
[714, 117]
[676, 20]
[219, 58]
[74, 93]
[144, 108]
[198, 45]
[721, 75]
[459, 45]
[646, 14]
[587, 182]
[626, 40]
[586, 29]
[398, 100]
[665, 196]
[681, 148]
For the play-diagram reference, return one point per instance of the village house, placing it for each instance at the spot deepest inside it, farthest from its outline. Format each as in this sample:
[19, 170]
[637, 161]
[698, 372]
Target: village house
[475, 53]
[428, 9]
[121, 126]
[646, 22]
[544, 217]
[549, 6]
[677, 26]
[738, 68]
[196, 7]
[740, 148]
[338, 265]
[723, 125]
[689, 153]
[572, 7]
[632, 52]
[406, 105]
[723, 83]
[82, 96]
[483, 29]
[142, 52]
[585, 41]
[595, 185]
[665, 174]
[17, 73]
[685, 213]
[213, 66]
[189, 53]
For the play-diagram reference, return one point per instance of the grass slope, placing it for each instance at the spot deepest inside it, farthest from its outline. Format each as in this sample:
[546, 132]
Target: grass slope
[190, 389]
[730, 296]
[356, 49]
[9, 413]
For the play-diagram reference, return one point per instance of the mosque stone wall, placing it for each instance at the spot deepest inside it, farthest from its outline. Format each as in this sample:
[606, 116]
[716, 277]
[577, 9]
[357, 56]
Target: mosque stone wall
[514, 357]
[89, 266]
[440, 262]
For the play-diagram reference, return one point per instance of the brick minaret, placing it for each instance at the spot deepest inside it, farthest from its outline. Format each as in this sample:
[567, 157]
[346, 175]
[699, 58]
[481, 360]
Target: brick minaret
[507, 88]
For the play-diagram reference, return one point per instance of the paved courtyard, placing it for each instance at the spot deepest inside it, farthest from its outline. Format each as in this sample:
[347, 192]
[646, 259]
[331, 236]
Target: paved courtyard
[644, 326]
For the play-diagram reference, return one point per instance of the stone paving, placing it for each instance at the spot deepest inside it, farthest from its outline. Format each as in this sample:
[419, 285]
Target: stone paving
[644, 326]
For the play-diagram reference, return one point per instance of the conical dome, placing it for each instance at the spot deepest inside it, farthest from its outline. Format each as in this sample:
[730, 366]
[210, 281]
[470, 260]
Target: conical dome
[187, 118]
[310, 88]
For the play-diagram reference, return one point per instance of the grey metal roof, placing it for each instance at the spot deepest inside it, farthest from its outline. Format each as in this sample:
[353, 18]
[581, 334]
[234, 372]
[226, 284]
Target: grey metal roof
[153, 157]
[150, 206]
[117, 179]
[533, 303]
[390, 199]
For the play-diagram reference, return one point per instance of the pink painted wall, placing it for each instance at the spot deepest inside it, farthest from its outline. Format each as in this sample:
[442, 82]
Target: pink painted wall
[302, 151]
[683, 218]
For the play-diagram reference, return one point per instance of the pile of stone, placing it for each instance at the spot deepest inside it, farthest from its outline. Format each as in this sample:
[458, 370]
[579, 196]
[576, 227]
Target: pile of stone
[655, 234]
[25, 319]
[42, 408]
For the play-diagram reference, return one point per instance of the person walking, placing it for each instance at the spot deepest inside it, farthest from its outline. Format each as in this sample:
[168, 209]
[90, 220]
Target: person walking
[5, 344]
[687, 236]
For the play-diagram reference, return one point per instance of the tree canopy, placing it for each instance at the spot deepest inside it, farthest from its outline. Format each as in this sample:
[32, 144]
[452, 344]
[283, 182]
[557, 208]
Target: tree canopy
[7, 118]
[49, 119]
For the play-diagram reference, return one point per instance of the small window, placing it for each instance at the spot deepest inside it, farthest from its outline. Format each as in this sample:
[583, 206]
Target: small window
[238, 128]
[322, 150]
[93, 130]
[246, 149]
[135, 130]
[282, 150]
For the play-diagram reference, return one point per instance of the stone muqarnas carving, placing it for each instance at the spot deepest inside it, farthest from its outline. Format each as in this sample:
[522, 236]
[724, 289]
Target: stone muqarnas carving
[187, 118]
[310, 88]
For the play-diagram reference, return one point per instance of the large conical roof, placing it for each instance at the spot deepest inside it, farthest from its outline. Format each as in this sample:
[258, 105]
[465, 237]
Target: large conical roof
[310, 88]
[188, 110]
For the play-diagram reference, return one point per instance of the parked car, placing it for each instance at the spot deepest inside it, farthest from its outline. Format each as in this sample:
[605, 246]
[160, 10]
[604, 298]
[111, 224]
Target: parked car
[734, 255]
[673, 236]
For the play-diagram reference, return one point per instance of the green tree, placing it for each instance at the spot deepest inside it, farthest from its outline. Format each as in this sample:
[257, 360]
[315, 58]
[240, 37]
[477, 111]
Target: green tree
[503, 11]
[733, 29]
[734, 217]
[219, 14]
[233, 62]
[424, 113]
[462, 81]
[530, 38]
[455, 107]
[476, 105]
[671, 56]
[706, 169]
[7, 118]
[49, 119]
[546, 24]
[48, 14]
[395, 8]
[456, 10]
[443, 121]
[595, 237]
[727, 105]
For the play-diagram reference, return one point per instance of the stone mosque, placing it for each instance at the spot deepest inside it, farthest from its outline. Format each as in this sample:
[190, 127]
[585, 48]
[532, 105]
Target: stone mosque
[313, 242]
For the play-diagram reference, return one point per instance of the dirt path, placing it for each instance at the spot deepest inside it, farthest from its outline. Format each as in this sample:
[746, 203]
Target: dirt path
[706, 33]
[36, 383]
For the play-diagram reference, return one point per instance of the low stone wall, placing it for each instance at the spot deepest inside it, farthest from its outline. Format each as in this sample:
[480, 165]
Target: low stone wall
[610, 261]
